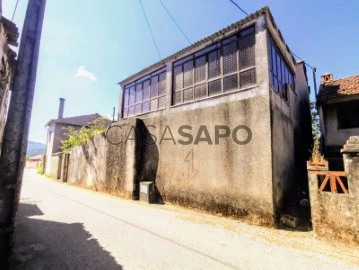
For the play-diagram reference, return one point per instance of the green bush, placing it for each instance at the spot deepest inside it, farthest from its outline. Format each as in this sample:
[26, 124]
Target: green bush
[77, 137]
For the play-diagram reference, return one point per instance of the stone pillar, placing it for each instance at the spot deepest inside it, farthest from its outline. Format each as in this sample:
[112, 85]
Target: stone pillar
[313, 185]
[351, 164]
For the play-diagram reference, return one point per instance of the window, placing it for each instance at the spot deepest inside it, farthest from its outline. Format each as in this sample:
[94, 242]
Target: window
[225, 66]
[145, 95]
[348, 115]
[280, 74]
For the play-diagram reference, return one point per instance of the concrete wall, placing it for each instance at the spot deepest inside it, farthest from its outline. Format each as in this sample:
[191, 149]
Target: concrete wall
[291, 142]
[55, 166]
[337, 215]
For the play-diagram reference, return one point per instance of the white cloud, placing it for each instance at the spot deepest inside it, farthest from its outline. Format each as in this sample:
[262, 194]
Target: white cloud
[81, 72]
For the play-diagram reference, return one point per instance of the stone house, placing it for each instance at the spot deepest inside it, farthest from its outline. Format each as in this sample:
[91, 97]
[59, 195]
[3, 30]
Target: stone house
[57, 132]
[338, 107]
[227, 120]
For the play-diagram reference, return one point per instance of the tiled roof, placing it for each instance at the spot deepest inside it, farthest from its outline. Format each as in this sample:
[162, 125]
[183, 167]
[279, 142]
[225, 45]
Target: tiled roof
[213, 37]
[338, 88]
[82, 120]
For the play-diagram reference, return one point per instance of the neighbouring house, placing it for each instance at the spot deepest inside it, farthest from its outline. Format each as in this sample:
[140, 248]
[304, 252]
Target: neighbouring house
[338, 107]
[222, 125]
[35, 161]
[8, 36]
[57, 132]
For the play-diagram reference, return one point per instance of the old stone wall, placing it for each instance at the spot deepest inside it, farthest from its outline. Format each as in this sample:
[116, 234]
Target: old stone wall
[230, 174]
[336, 215]
[87, 164]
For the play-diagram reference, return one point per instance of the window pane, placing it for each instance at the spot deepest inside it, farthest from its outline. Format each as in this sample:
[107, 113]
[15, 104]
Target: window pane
[154, 86]
[132, 95]
[162, 84]
[200, 69]
[177, 97]
[283, 70]
[162, 102]
[279, 69]
[248, 78]
[229, 40]
[126, 97]
[138, 92]
[247, 52]
[200, 91]
[145, 106]
[271, 78]
[178, 78]
[274, 59]
[206, 50]
[230, 58]
[247, 31]
[188, 94]
[125, 111]
[138, 108]
[146, 90]
[214, 68]
[131, 111]
[215, 87]
[188, 74]
[230, 82]
[153, 105]
[276, 87]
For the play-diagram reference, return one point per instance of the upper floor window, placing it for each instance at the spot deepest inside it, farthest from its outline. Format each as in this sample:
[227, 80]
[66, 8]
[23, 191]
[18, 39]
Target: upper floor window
[225, 66]
[281, 75]
[145, 95]
[348, 115]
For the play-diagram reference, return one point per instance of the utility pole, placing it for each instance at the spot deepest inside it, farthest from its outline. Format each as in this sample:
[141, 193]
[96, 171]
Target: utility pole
[13, 154]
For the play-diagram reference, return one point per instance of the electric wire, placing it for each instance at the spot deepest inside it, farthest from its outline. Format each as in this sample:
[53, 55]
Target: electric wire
[149, 27]
[234, 3]
[173, 19]
[13, 14]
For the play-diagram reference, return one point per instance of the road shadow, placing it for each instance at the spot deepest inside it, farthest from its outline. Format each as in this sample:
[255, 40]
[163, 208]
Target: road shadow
[43, 244]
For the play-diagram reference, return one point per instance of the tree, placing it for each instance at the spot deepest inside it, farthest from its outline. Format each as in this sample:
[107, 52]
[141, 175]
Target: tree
[315, 127]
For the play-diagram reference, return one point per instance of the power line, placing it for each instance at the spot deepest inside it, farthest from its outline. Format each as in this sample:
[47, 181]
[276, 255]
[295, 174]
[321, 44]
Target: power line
[234, 3]
[149, 27]
[13, 15]
[169, 14]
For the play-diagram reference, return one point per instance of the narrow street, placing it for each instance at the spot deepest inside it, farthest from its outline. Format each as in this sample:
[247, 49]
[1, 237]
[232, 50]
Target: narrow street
[65, 227]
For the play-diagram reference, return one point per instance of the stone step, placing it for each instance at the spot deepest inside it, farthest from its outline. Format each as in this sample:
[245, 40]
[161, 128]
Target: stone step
[352, 141]
[354, 138]
[351, 146]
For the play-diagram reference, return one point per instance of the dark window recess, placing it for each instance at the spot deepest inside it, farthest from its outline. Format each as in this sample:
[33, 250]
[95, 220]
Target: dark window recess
[214, 65]
[281, 77]
[247, 78]
[348, 115]
[224, 66]
[214, 87]
[146, 94]
[230, 82]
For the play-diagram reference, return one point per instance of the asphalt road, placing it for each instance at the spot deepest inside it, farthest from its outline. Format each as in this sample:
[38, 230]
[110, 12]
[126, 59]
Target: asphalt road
[64, 227]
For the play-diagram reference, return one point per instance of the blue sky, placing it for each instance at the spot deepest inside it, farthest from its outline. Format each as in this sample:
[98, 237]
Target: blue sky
[89, 46]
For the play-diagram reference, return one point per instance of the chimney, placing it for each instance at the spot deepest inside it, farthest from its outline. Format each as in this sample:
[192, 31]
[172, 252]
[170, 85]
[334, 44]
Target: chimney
[61, 108]
[327, 77]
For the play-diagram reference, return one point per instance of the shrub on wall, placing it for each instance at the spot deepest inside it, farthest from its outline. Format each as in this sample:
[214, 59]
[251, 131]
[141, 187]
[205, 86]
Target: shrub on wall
[81, 136]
